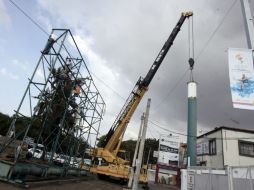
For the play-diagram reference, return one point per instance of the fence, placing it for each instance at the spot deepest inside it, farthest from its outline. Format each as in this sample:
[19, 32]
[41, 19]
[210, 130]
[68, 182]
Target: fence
[231, 178]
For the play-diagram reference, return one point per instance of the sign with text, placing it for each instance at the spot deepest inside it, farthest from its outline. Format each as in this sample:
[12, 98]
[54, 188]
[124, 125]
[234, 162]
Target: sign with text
[191, 181]
[155, 154]
[168, 149]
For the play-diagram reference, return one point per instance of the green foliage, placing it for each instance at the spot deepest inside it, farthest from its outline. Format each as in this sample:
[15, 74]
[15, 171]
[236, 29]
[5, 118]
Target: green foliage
[151, 144]
[21, 124]
[5, 122]
[100, 140]
[129, 147]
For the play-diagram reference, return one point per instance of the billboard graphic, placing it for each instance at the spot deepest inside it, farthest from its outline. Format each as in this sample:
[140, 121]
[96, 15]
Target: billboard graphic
[241, 76]
[169, 149]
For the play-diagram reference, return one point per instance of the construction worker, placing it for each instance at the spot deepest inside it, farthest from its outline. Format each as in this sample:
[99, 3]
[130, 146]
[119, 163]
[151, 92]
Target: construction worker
[77, 90]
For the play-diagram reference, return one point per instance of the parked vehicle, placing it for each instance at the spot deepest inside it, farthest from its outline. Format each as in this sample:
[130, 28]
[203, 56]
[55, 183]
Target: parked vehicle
[88, 162]
[35, 152]
[61, 159]
[74, 163]
[48, 155]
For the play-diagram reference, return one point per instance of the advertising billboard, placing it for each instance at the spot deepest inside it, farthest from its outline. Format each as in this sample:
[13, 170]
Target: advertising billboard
[241, 76]
[168, 149]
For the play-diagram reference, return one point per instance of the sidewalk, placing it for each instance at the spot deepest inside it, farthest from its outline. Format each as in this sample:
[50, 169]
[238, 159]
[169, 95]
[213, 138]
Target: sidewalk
[153, 186]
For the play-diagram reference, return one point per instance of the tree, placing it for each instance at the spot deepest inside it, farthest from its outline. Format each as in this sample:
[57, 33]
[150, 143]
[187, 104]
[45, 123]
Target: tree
[153, 145]
[101, 140]
[5, 121]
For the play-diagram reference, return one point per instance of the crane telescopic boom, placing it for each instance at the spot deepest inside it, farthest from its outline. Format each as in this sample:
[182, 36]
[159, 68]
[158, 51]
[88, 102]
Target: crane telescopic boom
[123, 118]
[109, 163]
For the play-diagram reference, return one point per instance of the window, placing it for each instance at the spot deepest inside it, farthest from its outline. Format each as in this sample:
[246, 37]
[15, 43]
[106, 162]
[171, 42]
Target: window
[212, 147]
[246, 148]
[202, 163]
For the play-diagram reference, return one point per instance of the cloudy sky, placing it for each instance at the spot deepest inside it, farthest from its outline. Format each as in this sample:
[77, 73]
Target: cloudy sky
[119, 41]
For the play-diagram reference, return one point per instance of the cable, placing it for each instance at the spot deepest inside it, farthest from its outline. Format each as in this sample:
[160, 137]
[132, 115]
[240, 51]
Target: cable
[166, 129]
[178, 133]
[216, 29]
[200, 53]
[32, 20]
[177, 83]
[170, 92]
[191, 53]
[192, 32]
[151, 133]
[44, 31]
[191, 49]
[109, 87]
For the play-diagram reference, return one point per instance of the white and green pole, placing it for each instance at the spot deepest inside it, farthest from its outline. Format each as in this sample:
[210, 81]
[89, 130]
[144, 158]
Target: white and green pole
[192, 120]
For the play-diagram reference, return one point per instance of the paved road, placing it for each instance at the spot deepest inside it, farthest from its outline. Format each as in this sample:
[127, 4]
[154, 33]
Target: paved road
[91, 184]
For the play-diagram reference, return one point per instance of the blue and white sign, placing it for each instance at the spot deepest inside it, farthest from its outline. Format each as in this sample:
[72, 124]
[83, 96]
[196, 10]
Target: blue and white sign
[168, 149]
[241, 76]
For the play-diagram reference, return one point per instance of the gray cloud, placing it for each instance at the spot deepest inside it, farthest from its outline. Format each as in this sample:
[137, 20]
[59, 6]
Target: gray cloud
[129, 34]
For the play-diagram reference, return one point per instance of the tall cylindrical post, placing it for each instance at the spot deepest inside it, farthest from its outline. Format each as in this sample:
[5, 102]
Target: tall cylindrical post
[192, 123]
[136, 151]
[141, 147]
[248, 22]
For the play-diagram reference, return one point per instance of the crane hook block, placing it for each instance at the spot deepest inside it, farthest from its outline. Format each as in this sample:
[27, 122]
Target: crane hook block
[191, 63]
[187, 14]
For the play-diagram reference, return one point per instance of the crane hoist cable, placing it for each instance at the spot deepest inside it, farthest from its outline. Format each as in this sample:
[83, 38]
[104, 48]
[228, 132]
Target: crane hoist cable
[191, 62]
[191, 46]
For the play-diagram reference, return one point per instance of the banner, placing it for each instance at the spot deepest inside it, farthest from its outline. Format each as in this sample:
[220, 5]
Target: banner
[241, 76]
[168, 149]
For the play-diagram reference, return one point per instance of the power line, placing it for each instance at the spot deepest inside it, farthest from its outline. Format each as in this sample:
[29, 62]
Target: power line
[178, 133]
[44, 31]
[30, 18]
[152, 122]
[216, 29]
[34, 22]
[200, 53]
[171, 91]
[151, 133]
[177, 83]
[109, 87]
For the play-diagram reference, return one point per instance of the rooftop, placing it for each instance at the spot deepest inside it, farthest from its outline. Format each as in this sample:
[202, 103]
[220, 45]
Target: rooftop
[226, 128]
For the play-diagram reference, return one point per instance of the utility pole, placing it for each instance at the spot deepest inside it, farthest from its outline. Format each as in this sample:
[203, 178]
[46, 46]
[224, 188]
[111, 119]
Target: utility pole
[192, 123]
[136, 151]
[148, 157]
[141, 148]
[248, 23]
[192, 105]
[192, 119]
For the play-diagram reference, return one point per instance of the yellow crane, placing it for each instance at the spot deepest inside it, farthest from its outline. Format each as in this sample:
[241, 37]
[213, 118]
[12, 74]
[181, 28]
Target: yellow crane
[110, 163]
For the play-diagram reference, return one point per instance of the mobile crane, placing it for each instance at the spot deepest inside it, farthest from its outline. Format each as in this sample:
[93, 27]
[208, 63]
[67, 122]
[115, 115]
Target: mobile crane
[112, 165]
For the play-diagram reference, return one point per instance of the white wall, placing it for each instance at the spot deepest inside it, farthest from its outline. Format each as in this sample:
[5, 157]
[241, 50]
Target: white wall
[151, 175]
[232, 178]
[227, 151]
[214, 161]
[231, 149]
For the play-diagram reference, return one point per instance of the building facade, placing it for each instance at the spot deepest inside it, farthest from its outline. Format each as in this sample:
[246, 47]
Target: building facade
[226, 146]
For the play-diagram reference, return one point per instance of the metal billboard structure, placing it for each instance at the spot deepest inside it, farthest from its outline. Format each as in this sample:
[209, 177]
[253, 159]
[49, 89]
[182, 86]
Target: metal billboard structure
[61, 108]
